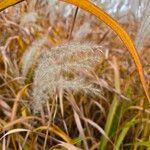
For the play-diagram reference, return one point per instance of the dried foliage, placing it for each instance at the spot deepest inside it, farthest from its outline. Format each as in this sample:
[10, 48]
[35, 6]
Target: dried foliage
[67, 81]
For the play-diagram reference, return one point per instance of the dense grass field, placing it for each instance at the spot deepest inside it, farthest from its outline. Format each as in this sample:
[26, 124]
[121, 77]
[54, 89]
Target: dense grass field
[73, 77]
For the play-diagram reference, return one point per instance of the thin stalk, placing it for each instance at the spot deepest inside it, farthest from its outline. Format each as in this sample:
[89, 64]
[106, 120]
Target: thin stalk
[73, 23]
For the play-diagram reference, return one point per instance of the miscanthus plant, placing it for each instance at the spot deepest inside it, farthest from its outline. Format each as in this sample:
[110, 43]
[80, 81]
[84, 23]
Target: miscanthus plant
[83, 95]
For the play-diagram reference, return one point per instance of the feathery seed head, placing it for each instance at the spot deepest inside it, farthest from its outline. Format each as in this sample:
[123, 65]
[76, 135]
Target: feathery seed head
[55, 66]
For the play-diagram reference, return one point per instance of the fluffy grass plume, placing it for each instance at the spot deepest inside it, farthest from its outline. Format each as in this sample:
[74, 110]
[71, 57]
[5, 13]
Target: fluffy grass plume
[60, 67]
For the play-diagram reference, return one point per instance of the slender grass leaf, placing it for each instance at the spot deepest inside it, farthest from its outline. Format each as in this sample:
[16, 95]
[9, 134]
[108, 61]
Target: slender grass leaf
[55, 129]
[114, 112]
[123, 133]
[144, 143]
[67, 146]
[14, 131]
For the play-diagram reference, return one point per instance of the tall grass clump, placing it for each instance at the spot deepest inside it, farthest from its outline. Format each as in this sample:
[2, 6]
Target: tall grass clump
[72, 77]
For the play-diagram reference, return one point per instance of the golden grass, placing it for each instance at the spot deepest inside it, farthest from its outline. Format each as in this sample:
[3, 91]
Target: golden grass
[96, 99]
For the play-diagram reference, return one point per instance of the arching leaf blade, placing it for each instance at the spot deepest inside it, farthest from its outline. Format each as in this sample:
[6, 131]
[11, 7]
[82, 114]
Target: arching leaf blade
[115, 26]
[7, 3]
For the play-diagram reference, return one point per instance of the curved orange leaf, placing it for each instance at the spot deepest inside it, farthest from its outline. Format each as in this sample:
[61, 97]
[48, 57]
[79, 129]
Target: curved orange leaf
[7, 3]
[114, 25]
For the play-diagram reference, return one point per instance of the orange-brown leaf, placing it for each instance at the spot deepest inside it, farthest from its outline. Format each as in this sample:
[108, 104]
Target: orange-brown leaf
[114, 25]
[7, 3]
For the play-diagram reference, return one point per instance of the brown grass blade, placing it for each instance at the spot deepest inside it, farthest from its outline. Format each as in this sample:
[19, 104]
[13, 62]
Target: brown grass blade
[55, 129]
[69, 146]
[81, 129]
[18, 96]
[18, 121]
[14, 131]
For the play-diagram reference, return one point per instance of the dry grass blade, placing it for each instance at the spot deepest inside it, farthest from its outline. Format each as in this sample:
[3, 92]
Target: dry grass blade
[140, 109]
[67, 146]
[14, 131]
[114, 25]
[96, 126]
[14, 110]
[5, 108]
[17, 121]
[57, 131]
[4, 143]
[81, 130]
